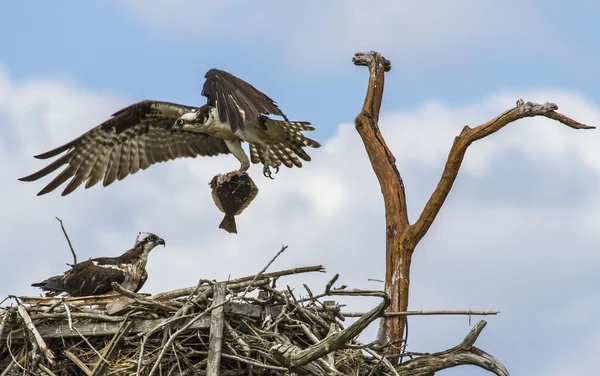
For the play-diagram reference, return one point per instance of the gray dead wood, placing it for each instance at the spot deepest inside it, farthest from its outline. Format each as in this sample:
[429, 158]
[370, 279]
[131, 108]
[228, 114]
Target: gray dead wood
[82, 366]
[36, 334]
[241, 281]
[297, 359]
[464, 353]
[138, 326]
[215, 343]
[109, 352]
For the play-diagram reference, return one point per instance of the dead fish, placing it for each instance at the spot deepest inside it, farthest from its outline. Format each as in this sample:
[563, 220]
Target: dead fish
[232, 193]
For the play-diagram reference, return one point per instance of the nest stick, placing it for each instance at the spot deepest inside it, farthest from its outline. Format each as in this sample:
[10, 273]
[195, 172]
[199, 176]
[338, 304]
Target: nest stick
[283, 248]
[68, 240]
[426, 313]
[38, 338]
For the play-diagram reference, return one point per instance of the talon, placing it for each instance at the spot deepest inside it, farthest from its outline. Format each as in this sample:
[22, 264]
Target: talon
[276, 169]
[267, 172]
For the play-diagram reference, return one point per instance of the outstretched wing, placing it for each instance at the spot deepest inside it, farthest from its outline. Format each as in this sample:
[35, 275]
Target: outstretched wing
[235, 99]
[133, 139]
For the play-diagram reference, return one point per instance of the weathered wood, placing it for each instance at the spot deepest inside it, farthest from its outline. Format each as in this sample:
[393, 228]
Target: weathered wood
[233, 282]
[215, 343]
[394, 197]
[294, 357]
[464, 353]
[103, 329]
[36, 334]
[138, 326]
[426, 313]
[72, 357]
[110, 350]
[402, 237]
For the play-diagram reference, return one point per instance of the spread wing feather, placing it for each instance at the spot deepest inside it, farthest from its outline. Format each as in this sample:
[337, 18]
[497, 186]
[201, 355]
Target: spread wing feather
[235, 99]
[133, 139]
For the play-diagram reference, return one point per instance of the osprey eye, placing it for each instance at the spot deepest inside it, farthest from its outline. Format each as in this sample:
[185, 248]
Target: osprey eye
[181, 121]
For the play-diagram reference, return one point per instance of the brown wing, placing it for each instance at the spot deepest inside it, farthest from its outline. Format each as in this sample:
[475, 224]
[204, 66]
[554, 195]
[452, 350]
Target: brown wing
[133, 139]
[230, 94]
[143, 280]
[86, 279]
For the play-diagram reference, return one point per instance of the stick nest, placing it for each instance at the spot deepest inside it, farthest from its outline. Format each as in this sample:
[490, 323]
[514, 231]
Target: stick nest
[170, 333]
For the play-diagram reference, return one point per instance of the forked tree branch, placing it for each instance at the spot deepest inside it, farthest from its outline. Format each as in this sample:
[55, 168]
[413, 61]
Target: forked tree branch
[459, 148]
[401, 237]
[463, 354]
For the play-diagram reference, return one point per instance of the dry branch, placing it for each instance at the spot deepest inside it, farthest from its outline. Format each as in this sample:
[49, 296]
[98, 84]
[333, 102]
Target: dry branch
[68, 240]
[189, 290]
[401, 236]
[464, 353]
[38, 338]
[425, 313]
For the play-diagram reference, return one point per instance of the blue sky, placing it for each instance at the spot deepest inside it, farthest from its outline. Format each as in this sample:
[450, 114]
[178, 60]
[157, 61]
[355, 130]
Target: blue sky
[519, 231]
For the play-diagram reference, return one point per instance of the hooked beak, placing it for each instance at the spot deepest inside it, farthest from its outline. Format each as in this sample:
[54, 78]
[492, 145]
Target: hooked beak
[161, 241]
[176, 127]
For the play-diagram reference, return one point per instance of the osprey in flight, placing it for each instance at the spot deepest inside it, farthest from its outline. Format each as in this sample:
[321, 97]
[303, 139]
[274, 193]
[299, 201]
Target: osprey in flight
[94, 276]
[149, 132]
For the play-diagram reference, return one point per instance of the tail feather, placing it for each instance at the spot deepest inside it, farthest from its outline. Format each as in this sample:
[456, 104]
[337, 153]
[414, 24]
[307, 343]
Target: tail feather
[52, 284]
[290, 148]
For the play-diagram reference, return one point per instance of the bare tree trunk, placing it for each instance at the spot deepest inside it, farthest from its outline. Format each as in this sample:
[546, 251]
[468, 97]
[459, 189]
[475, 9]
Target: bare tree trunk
[402, 237]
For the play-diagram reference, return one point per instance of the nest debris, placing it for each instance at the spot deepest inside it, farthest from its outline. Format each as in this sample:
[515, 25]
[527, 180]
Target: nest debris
[245, 326]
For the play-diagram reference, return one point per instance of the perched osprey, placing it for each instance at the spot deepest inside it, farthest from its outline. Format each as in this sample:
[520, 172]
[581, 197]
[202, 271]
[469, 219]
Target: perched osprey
[94, 276]
[149, 132]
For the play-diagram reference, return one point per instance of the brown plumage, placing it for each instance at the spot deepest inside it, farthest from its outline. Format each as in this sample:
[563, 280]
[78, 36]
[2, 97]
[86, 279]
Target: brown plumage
[150, 132]
[95, 276]
[228, 94]
[133, 139]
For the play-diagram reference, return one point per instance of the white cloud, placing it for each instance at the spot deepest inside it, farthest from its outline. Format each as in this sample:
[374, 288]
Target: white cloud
[534, 260]
[314, 33]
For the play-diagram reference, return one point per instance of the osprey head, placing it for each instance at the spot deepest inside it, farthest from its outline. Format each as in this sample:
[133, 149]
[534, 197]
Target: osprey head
[148, 241]
[193, 121]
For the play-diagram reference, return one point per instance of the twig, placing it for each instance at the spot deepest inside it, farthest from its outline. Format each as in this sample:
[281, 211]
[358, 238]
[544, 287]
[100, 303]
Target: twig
[283, 248]
[46, 369]
[82, 366]
[9, 346]
[293, 357]
[178, 333]
[80, 315]
[8, 368]
[38, 338]
[68, 240]
[90, 345]
[188, 290]
[249, 362]
[68, 312]
[425, 313]
[382, 359]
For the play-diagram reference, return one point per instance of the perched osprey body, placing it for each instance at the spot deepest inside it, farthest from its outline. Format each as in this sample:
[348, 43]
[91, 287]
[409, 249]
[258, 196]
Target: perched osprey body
[149, 132]
[94, 276]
